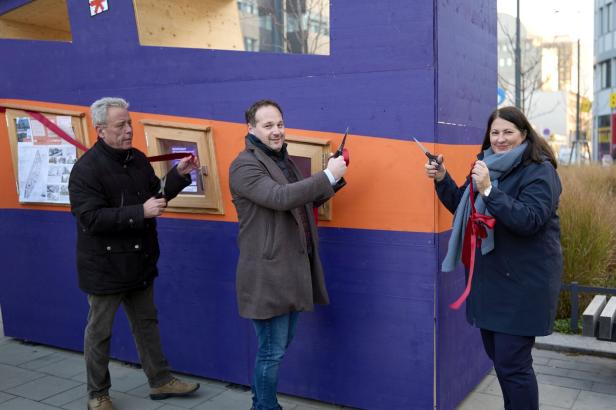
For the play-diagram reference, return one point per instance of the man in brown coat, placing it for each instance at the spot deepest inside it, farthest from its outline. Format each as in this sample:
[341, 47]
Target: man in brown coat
[279, 273]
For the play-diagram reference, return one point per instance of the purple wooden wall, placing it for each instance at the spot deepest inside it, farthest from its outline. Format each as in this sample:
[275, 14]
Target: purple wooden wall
[398, 68]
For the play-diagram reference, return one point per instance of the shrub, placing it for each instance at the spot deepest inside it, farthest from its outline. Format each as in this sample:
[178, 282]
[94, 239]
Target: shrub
[588, 229]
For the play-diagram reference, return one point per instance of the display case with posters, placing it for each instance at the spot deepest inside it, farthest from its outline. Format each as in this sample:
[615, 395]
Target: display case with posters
[42, 160]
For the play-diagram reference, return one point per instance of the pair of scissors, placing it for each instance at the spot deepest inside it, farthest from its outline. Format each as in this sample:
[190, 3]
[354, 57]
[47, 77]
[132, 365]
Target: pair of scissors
[343, 151]
[432, 158]
[161, 191]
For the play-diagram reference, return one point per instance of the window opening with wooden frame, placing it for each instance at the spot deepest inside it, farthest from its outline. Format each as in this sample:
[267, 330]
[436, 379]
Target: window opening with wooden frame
[289, 26]
[36, 20]
[203, 195]
[42, 161]
[311, 155]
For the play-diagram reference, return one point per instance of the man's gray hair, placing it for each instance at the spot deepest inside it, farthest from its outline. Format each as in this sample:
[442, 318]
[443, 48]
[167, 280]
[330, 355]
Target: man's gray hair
[99, 108]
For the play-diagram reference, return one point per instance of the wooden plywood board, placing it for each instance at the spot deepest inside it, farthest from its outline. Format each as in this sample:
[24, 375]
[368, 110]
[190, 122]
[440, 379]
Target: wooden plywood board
[38, 20]
[211, 24]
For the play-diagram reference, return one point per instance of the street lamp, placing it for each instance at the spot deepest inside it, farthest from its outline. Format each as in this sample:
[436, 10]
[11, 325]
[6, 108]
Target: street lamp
[518, 59]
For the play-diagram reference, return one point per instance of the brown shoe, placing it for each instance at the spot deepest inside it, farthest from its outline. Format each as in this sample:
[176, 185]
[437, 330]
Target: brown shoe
[174, 388]
[100, 403]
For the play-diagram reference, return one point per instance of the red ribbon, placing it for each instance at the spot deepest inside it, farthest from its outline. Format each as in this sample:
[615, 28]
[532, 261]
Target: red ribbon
[59, 131]
[66, 137]
[169, 157]
[476, 230]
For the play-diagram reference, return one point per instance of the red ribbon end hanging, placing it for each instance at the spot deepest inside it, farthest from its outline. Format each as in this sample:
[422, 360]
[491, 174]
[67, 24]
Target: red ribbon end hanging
[476, 229]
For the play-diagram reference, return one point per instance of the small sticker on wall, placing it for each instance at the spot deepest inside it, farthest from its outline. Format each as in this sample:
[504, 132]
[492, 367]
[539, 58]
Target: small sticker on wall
[98, 6]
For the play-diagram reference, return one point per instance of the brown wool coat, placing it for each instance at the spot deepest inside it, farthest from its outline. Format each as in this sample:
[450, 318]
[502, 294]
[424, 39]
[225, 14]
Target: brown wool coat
[275, 275]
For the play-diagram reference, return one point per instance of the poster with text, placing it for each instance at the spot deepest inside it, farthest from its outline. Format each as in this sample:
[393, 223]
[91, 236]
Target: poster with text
[44, 161]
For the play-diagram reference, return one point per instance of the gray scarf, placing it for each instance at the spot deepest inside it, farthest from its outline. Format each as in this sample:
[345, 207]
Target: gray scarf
[498, 164]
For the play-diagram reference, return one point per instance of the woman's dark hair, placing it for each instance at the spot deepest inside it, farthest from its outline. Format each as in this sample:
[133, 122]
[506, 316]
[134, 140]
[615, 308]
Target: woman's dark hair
[251, 112]
[537, 148]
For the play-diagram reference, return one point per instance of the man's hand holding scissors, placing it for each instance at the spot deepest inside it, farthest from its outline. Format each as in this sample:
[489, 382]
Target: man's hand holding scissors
[339, 160]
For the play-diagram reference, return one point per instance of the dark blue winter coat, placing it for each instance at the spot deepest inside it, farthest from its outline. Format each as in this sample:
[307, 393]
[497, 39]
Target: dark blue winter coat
[516, 286]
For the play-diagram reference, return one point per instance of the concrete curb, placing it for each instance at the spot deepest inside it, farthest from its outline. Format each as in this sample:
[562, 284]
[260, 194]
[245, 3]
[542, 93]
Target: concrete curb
[565, 343]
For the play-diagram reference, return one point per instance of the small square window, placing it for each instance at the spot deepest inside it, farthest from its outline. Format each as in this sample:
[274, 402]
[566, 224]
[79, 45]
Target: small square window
[310, 156]
[203, 195]
[37, 20]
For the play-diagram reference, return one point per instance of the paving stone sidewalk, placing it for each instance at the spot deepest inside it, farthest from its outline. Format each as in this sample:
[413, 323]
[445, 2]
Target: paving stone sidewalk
[573, 372]
[36, 377]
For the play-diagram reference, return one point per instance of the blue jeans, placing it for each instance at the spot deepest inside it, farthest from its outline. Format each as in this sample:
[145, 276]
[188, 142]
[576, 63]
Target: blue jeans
[274, 336]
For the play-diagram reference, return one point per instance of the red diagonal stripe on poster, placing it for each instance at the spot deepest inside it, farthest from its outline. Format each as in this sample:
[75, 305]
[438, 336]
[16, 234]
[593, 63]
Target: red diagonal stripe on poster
[66, 137]
[59, 131]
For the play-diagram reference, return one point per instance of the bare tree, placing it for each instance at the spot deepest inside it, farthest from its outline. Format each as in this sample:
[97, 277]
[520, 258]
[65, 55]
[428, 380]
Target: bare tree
[309, 31]
[296, 26]
[530, 74]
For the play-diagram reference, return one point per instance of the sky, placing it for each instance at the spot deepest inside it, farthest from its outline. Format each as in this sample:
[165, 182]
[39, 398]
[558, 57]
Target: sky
[555, 18]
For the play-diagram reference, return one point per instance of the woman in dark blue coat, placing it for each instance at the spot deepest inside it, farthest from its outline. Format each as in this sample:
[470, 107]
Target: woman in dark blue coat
[518, 266]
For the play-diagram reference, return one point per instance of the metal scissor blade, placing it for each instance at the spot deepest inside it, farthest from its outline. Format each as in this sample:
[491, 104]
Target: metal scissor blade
[161, 191]
[344, 139]
[425, 151]
[432, 158]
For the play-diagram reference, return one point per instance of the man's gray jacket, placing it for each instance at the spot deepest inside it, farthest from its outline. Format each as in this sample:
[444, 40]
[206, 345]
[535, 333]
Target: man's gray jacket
[275, 273]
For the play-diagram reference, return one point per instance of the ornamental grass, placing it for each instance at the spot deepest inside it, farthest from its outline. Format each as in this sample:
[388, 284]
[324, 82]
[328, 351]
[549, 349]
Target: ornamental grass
[588, 229]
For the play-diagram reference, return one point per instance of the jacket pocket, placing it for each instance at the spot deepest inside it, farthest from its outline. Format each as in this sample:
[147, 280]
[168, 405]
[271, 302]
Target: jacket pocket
[270, 230]
[512, 273]
[121, 260]
[125, 258]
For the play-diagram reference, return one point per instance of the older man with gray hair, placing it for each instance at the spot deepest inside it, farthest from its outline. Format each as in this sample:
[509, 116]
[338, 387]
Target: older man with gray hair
[116, 197]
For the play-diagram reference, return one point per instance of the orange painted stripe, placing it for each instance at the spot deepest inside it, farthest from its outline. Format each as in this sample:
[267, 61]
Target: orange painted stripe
[387, 188]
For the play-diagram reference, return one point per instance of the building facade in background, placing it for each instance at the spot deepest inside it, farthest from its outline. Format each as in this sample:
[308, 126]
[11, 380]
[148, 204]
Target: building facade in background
[604, 138]
[548, 84]
[285, 26]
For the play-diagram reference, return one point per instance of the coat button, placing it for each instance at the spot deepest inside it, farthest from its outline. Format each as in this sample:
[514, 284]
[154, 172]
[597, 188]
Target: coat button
[130, 221]
[137, 246]
[124, 166]
[108, 248]
[507, 274]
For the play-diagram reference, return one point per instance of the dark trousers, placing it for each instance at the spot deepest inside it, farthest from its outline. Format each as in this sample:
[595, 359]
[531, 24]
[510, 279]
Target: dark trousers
[513, 364]
[143, 319]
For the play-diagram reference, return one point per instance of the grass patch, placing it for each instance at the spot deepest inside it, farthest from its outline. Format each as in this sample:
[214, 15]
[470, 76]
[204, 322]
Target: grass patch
[562, 326]
[588, 230]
